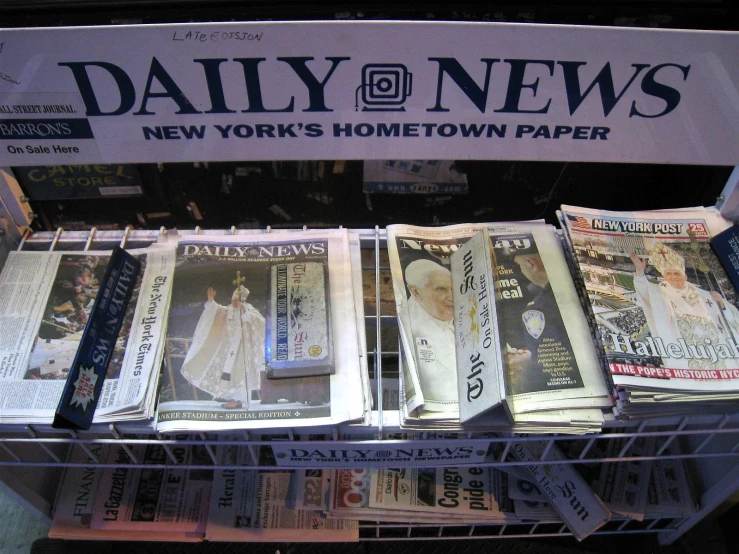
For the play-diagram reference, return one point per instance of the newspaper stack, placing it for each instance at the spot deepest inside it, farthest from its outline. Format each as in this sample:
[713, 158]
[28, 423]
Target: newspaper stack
[552, 374]
[661, 306]
[466, 495]
[263, 333]
[96, 503]
[271, 506]
[47, 299]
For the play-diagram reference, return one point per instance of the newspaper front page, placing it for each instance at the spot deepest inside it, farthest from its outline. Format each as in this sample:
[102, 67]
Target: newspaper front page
[223, 328]
[469, 495]
[551, 360]
[664, 308]
[45, 301]
[254, 506]
[173, 499]
[75, 505]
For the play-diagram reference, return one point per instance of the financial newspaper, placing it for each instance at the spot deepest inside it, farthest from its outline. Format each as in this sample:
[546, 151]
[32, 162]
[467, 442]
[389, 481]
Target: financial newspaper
[665, 311]
[552, 362]
[75, 505]
[230, 312]
[45, 301]
[255, 506]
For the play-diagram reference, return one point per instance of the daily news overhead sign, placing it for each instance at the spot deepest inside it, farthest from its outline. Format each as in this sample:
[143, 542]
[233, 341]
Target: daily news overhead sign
[348, 90]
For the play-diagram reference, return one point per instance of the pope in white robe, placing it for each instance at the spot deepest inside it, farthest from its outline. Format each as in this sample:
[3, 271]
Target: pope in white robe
[226, 356]
[431, 313]
[676, 309]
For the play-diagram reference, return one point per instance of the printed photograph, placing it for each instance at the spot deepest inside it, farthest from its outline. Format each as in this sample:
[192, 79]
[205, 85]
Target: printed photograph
[67, 310]
[658, 302]
[536, 346]
[216, 340]
[430, 309]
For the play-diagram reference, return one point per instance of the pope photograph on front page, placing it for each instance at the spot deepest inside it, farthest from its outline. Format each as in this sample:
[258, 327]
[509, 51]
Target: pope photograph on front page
[665, 309]
[430, 317]
[219, 332]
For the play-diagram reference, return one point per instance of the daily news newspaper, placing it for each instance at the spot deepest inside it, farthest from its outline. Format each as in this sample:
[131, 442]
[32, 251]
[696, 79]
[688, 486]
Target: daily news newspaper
[665, 310]
[45, 301]
[229, 301]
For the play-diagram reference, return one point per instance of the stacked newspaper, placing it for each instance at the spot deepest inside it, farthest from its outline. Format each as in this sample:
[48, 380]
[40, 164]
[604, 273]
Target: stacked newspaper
[263, 332]
[549, 365]
[662, 307]
[47, 298]
[96, 503]
[416, 495]
[638, 489]
[271, 506]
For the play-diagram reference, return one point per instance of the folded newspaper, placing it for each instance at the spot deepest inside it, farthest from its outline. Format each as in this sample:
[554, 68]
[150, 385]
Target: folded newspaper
[553, 379]
[240, 301]
[256, 506]
[449, 494]
[567, 492]
[662, 306]
[175, 499]
[48, 297]
[76, 506]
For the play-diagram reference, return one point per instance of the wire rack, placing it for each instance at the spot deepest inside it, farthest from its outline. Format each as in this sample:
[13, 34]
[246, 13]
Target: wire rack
[710, 442]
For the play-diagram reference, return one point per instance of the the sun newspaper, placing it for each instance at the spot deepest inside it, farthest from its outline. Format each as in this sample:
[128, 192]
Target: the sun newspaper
[548, 349]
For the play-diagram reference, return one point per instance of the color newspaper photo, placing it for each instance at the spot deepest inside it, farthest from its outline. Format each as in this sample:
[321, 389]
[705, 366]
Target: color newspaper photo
[538, 350]
[664, 307]
[65, 315]
[217, 335]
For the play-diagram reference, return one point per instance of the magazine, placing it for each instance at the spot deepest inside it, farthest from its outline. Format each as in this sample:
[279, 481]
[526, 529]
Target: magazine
[223, 328]
[47, 299]
[660, 301]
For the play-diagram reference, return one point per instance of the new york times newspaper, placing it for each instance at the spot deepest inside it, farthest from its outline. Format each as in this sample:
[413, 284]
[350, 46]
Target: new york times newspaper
[665, 311]
[45, 301]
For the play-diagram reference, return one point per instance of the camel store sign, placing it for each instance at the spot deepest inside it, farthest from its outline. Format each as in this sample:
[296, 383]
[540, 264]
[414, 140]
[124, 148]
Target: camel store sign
[60, 182]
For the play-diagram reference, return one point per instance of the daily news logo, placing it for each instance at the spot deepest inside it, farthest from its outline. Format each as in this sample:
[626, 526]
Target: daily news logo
[385, 87]
[382, 87]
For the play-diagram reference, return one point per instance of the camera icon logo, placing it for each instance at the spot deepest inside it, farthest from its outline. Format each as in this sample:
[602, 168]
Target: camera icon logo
[385, 87]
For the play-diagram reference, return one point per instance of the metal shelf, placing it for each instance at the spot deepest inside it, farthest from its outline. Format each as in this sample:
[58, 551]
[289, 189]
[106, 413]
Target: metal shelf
[708, 441]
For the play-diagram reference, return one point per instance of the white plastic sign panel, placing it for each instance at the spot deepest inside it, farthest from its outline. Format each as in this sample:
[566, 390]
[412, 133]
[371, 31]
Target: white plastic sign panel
[376, 90]
[374, 455]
